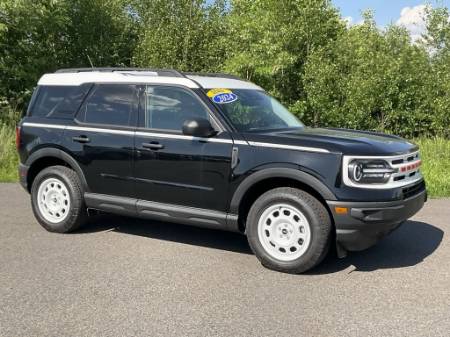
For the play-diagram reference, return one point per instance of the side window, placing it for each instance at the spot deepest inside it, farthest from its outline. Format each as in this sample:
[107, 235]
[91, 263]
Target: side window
[110, 104]
[168, 107]
[58, 101]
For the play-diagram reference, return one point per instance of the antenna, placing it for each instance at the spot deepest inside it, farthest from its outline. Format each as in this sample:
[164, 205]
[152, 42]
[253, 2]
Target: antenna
[92, 65]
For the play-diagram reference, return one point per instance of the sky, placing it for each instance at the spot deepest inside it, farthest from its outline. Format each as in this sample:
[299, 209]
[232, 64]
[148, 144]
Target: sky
[407, 13]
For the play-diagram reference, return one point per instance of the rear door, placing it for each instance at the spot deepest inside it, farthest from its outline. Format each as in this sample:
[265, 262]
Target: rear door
[173, 168]
[101, 138]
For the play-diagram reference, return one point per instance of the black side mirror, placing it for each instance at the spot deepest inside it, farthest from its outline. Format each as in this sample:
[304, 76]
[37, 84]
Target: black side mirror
[198, 127]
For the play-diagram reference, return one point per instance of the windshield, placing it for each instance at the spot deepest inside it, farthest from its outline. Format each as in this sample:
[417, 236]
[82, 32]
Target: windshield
[252, 110]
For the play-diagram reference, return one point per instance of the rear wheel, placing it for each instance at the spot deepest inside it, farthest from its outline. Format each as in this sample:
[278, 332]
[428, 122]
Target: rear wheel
[57, 199]
[288, 230]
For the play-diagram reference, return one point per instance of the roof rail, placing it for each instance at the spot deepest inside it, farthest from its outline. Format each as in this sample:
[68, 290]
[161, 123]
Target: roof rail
[233, 77]
[160, 72]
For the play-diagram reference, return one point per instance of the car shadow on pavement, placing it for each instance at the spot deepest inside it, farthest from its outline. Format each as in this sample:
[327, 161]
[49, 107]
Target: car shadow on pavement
[408, 246]
[191, 235]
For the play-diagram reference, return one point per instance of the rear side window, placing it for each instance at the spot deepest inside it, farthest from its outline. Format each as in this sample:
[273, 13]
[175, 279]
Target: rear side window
[58, 101]
[110, 104]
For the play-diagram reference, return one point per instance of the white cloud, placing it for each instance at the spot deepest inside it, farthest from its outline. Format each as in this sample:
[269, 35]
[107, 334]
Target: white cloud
[413, 19]
[348, 20]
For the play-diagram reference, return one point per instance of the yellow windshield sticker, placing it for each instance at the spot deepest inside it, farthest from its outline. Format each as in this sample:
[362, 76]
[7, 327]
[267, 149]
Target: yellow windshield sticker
[214, 92]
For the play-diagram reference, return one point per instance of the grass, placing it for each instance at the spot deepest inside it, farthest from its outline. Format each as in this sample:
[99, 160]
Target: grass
[8, 155]
[435, 154]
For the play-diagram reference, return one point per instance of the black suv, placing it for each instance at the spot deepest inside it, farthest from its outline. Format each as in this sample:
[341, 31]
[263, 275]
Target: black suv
[210, 150]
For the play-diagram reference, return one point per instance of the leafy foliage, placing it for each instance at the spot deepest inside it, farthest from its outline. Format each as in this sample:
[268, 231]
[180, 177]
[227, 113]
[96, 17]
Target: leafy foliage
[180, 34]
[370, 79]
[270, 42]
[435, 153]
[38, 36]
[8, 154]
[301, 51]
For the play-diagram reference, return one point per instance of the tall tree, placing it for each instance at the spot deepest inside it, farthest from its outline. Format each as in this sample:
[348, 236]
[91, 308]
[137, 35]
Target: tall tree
[437, 40]
[182, 34]
[301, 51]
[38, 36]
[369, 79]
[271, 40]
[30, 43]
[103, 32]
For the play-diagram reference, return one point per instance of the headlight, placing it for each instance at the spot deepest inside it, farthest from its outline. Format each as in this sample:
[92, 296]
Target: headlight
[362, 171]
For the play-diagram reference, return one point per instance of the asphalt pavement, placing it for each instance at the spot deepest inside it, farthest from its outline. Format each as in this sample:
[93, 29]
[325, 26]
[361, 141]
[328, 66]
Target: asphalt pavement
[126, 277]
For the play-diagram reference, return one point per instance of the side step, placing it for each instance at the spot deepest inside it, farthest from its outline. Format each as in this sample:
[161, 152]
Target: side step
[161, 211]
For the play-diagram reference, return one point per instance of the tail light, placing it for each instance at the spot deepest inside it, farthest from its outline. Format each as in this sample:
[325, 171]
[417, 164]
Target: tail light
[18, 134]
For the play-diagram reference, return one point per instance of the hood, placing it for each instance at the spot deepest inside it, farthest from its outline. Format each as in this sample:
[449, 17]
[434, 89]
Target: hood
[349, 142]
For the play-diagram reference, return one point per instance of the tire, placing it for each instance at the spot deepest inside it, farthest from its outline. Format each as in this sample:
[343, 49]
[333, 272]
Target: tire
[57, 200]
[288, 230]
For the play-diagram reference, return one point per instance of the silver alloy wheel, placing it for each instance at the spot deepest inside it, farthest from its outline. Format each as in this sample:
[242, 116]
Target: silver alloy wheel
[53, 200]
[284, 232]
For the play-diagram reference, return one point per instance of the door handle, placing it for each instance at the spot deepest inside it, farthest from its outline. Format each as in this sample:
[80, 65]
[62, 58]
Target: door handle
[152, 146]
[81, 139]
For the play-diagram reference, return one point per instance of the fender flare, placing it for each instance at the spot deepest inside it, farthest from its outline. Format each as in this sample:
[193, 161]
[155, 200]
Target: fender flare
[60, 154]
[268, 173]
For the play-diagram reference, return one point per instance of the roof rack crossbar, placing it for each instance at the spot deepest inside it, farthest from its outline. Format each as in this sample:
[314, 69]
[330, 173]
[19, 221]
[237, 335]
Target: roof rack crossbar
[160, 72]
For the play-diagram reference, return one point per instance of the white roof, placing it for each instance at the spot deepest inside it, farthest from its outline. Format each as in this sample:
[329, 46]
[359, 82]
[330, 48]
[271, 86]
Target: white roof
[223, 82]
[78, 78]
[144, 77]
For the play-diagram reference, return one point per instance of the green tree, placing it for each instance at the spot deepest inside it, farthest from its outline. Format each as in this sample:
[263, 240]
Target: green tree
[301, 51]
[181, 34]
[271, 41]
[39, 36]
[437, 40]
[30, 42]
[103, 32]
[370, 79]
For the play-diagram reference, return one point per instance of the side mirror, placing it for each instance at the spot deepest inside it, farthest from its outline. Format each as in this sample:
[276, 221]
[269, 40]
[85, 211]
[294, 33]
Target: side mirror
[198, 127]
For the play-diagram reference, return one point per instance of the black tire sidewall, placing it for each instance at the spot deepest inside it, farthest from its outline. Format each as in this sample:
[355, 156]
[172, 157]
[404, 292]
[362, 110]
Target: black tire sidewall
[319, 228]
[63, 174]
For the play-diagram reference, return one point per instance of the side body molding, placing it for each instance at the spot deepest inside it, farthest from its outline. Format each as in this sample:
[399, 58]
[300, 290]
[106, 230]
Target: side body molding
[268, 173]
[60, 154]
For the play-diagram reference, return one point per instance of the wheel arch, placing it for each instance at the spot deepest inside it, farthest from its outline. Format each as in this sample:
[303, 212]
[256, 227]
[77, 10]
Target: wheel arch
[47, 157]
[260, 182]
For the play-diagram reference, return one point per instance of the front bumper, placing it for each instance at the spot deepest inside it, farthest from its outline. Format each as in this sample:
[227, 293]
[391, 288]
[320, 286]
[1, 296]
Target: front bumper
[365, 223]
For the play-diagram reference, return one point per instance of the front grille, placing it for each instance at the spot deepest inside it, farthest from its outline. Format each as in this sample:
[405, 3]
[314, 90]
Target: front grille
[410, 172]
[411, 191]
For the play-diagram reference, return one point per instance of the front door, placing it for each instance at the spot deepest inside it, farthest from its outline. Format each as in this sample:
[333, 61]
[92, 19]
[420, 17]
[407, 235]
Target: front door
[174, 168]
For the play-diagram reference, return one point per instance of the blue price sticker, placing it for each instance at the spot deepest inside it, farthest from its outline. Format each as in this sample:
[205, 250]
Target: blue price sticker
[224, 98]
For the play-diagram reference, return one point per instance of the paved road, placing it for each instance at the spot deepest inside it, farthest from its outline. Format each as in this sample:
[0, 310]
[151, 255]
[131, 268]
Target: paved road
[122, 277]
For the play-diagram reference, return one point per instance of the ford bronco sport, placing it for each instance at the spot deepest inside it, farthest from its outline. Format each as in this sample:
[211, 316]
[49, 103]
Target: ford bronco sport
[210, 150]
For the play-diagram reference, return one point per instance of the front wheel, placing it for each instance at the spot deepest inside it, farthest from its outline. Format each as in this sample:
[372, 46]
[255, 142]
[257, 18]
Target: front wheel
[289, 230]
[57, 200]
